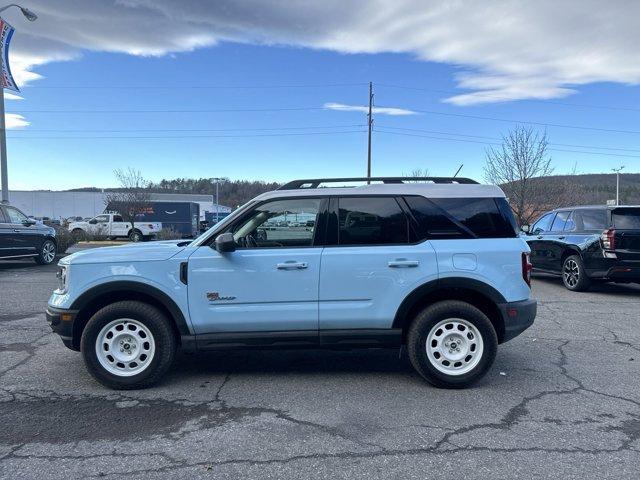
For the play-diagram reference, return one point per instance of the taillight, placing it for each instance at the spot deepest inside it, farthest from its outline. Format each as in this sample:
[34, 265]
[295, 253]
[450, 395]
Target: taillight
[608, 239]
[526, 268]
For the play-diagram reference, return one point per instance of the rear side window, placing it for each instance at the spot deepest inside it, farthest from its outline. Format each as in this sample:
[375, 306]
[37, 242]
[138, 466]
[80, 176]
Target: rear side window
[371, 221]
[2, 220]
[559, 221]
[462, 218]
[626, 218]
[590, 219]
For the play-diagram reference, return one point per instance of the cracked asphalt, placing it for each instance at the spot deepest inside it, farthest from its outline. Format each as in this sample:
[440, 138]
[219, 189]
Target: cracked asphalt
[562, 401]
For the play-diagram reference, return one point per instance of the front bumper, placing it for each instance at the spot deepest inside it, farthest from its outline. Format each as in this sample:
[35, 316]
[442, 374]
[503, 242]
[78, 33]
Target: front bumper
[61, 322]
[517, 317]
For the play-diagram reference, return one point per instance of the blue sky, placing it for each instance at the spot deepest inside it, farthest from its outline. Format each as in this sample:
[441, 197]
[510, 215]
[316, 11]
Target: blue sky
[49, 153]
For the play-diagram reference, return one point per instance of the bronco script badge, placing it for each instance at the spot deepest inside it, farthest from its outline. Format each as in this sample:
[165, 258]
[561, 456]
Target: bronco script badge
[215, 297]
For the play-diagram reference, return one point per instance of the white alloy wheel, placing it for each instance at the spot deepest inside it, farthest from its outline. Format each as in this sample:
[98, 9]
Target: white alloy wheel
[454, 346]
[125, 347]
[48, 252]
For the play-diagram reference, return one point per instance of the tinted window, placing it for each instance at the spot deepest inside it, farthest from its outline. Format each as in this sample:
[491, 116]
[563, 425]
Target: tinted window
[590, 219]
[15, 216]
[480, 215]
[371, 221]
[117, 218]
[570, 226]
[280, 223]
[543, 225]
[1, 216]
[559, 221]
[627, 218]
[433, 221]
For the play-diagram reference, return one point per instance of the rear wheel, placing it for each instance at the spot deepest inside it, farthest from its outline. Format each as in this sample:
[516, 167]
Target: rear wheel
[78, 235]
[128, 345]
[47, 253]
[574, 276]
[135, 236]
[452, 344]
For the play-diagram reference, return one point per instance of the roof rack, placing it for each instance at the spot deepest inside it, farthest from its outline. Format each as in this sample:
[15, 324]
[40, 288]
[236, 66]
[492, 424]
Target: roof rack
[315, 182]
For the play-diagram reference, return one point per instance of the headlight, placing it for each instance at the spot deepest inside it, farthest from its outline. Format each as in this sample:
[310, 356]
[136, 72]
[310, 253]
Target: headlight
[62, 279]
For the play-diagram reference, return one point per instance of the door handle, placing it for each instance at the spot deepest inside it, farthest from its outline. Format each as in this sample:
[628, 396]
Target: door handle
[561, 238]
[291, 265]
[403, 263]
[17, 230]
[539, 237]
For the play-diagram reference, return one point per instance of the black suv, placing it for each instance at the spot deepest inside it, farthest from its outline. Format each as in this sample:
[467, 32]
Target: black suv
[22, 237]
[586, 244]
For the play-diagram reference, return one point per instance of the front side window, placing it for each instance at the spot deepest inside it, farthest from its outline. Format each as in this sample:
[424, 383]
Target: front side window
[543, 225]
[102, 218]
[371, 221]
[2, 220]
[280, 223]
[15, 216]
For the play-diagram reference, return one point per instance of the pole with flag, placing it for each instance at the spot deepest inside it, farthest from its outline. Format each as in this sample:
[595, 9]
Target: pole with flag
[6, 33]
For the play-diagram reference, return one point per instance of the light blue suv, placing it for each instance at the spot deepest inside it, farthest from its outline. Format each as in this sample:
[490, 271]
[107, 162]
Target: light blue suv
[435, 265]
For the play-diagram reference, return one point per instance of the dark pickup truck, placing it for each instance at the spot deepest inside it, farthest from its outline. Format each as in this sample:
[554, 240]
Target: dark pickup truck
[587, 244]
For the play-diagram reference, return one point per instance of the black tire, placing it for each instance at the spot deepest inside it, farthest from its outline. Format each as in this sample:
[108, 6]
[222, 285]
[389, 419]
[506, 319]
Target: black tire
[47, 253]
[429, 318]
[574, 275]
[136, 236]
[154, 320]
[78, 235]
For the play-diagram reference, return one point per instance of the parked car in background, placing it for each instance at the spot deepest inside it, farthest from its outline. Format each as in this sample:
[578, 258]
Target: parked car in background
[22, 237]
[437, 267]
[110, 225]
[587, 244]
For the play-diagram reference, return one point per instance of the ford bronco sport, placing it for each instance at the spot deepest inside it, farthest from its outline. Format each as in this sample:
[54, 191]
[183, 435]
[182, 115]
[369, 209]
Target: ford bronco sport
[437, 267]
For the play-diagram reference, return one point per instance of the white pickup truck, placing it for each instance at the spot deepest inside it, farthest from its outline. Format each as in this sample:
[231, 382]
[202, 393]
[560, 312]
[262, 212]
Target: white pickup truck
[112, 225]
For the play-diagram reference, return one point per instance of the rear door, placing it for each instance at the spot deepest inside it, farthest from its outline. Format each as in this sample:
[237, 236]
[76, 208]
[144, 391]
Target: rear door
[119, 228]
[368, 266]
[626, 222]
[555, 240]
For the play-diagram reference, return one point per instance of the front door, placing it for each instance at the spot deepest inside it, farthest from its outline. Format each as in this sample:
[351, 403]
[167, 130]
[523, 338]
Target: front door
[23, 235]
[270, 283]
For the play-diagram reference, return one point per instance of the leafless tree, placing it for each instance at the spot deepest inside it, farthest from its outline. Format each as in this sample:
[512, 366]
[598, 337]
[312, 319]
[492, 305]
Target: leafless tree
[520, 166]
[417, 172]
[133, 196]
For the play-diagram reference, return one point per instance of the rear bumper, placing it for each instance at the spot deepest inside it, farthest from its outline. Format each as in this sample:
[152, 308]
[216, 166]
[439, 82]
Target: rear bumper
[623, 270]
[61, 322]
[517, 316]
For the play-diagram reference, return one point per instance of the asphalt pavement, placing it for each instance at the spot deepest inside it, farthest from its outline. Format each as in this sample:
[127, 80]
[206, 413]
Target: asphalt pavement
[562, 401]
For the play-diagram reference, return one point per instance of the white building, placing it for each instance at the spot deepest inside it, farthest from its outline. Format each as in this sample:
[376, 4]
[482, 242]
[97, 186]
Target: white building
[61, 205]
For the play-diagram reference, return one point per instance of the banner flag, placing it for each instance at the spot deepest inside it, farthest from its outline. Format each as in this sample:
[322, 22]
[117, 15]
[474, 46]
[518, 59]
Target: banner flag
[6, 32]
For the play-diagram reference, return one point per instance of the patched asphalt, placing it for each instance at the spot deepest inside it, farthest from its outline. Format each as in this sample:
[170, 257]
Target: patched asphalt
[562, 401]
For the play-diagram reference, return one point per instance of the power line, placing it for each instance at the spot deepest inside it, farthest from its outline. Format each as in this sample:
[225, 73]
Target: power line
[500, 97]
[500, 139]
[54, 130]
[183, 136]
[196, 87]
[495, 119]
[217, 110]
[499, 144]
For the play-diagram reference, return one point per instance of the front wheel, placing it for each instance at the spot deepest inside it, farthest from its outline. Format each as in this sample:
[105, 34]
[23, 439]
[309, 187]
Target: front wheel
[128, 345]
[47, 253]
[574, 276]
[452, 344]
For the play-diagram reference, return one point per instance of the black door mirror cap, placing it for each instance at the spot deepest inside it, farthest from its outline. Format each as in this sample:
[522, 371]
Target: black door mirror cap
[225, 243]
[28, 223]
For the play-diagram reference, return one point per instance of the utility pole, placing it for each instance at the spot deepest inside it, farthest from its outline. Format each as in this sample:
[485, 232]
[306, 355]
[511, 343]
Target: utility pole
[617, 170]
[370, 124]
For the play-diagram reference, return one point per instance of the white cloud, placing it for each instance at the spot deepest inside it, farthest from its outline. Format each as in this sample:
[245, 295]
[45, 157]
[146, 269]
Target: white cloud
[503, 49]
[13, 120]
[362, 108]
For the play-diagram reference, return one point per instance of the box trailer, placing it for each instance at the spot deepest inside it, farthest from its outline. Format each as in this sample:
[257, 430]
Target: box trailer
[183, 217]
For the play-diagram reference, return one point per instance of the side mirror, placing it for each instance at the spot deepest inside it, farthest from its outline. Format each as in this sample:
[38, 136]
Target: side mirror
[93, 221]
[225, 243]
[525, 228]
[29, 223]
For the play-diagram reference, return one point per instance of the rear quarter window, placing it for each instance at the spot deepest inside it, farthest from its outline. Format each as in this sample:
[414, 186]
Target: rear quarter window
[587, 219]
[626, 218]
[463, 217]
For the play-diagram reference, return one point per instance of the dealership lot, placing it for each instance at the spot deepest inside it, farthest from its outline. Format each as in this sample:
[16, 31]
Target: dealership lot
[562, 400]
